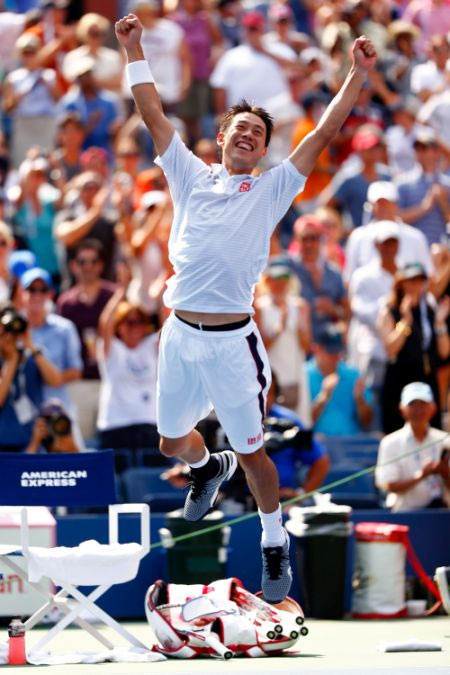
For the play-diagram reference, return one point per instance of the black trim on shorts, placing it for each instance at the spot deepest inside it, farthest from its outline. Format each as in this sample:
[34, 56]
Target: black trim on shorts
[220, 327]
[252, 342]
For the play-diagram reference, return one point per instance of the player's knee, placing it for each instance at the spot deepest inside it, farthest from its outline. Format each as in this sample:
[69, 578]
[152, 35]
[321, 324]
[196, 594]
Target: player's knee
[253, 462]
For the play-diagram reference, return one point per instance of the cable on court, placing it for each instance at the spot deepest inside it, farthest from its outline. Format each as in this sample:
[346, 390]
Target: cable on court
[294, 500]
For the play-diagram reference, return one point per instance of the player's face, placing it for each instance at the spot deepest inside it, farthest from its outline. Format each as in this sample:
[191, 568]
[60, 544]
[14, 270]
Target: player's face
[243, 143]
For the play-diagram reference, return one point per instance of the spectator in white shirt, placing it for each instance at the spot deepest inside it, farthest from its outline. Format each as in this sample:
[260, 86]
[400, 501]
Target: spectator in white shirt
[382, 198]
[430, 78]
[369, 286]
[421, 478]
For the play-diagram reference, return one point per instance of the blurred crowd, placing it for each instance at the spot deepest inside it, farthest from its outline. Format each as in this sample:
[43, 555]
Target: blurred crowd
[354, 303]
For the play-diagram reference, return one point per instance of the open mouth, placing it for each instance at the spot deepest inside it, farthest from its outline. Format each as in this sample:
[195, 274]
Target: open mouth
[244, 145]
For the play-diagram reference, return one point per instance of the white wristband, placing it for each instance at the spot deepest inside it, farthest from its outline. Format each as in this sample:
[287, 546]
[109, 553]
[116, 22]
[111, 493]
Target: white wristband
[138, 72]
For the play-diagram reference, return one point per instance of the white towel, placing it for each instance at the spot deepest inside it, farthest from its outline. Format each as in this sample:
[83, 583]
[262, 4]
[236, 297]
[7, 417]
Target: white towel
[118, 655]
[88, 564]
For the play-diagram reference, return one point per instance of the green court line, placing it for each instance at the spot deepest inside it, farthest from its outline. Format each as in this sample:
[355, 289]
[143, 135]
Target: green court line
[294, 500]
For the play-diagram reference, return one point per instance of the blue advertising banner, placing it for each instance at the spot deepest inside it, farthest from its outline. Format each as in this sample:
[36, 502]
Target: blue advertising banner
[78, 479]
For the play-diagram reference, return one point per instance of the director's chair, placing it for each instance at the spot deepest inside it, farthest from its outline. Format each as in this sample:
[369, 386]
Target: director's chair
[72, 480]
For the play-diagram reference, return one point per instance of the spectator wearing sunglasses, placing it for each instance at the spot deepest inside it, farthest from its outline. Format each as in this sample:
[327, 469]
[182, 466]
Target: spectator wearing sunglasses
[83, 304]
[127, 355]
[53, 335]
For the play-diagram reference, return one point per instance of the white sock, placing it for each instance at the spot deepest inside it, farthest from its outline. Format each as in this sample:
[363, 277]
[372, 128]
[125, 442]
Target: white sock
[202, 462]
[272, 525]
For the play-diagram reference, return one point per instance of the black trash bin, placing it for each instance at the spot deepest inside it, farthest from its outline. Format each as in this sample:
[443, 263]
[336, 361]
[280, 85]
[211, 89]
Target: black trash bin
[322, 543]
[197, 560]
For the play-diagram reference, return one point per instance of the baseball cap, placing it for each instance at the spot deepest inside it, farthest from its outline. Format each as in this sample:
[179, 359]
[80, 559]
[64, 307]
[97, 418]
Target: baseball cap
[34, 274]
[79, 67]
[425, 136]
[252, 20]
[310, 54]
[386, 229]
[366, 138]
[28, 41]
[416, 391]
[152, 198]
[279, 268]
[382, 189]
[412, 271]
[21, 261]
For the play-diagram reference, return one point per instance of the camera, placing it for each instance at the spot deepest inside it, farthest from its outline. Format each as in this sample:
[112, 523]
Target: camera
[283, 433]
[13, 322]
[58, 422]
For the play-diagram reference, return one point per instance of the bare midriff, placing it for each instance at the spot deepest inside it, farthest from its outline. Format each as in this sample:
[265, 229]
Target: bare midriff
[209, 319]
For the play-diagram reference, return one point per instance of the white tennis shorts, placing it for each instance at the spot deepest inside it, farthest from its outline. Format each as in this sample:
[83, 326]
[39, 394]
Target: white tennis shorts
[201, 370]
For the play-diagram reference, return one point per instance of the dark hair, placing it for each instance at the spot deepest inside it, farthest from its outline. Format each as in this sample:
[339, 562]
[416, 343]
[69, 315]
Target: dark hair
[244, 107]
[91, 245]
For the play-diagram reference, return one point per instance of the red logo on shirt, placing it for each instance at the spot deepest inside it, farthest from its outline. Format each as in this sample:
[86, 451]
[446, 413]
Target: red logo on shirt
[254, 439]
[245, 186]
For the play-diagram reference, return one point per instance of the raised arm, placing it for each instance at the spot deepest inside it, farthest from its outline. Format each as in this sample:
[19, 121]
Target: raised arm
[128, 33]
[308, 150]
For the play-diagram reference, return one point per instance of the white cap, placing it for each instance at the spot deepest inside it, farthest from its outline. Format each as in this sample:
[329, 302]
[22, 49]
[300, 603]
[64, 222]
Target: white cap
[152, 198]
[78, 67]
[386, 229]
[416, 391]
[382, 189]
[310, 54]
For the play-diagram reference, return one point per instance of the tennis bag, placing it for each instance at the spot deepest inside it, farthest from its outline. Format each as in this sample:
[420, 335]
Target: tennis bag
[220, 620]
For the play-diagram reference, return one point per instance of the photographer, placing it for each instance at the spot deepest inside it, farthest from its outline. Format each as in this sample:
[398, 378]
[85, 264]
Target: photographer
[24, 372]
[52, 430]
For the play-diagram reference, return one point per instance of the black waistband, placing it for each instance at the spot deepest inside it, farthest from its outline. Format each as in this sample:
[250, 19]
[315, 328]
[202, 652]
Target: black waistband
[223, 326]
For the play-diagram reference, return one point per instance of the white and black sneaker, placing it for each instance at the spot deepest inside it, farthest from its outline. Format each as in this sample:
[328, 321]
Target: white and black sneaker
[204, 488]
[276, 573]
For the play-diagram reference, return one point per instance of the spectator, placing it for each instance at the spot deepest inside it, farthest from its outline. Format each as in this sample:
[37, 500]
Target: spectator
[419, 479]
[36, 204]
[24, 371]
[150, 255]
[52, 431]
[91, 31]
[12, 25]
[204, 41]
[382, 200]
[430, 78]
[436, 113]
[414, 334]
[293, 455]
[341, 402]
[430, 16]
[251, 71]
[333, 234]
[98, 108]
[55, 336]
[313, 104]
[66, 159]
[281, 17]
[349, 192]
[424, 192]
[90, 218]
[321, 282]
[127, 357]
[284, 322]
[441, 289]
[56, 34]
[369, 285]
[29, 96]
[6, 245]
[83, 305]
[228, 22]
[400, 135]
[166, 48]
[399, 61]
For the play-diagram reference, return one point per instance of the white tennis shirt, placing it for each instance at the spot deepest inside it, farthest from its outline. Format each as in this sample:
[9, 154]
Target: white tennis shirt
[219, 241]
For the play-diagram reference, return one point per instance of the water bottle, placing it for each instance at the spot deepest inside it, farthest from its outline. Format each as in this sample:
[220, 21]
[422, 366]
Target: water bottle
[16, 646]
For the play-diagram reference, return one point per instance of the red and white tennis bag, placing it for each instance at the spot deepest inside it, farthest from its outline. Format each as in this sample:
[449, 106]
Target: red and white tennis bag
[220, 620]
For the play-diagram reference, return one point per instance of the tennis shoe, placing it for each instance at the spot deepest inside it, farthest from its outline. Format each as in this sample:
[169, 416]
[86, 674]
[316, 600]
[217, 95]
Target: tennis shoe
[203, 491]
[276, 573]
